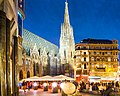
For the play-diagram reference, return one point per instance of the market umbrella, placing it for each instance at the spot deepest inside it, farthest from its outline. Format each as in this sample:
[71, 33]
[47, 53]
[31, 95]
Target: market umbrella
[62, 77]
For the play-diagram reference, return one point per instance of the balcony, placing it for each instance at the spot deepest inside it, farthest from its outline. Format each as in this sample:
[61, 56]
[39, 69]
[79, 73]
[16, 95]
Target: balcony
[103, 74]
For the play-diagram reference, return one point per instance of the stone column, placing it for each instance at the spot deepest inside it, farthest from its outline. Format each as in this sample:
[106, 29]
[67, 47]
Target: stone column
[0, 72]
[16, 73]
[3, 54]
[8, 82]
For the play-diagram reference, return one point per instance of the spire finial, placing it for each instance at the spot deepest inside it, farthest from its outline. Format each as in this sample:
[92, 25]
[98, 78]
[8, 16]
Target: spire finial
[66, 15]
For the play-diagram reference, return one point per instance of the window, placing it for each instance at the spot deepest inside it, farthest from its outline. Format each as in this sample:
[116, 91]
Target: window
[113, 53]
[108, 53]
[95, 53]
[20, 1]
[92, 65]
[92, 58]
[84, 66]
[21, 5]
[98, 59]
[71, 54]
[102, 53]
[101, 66]
[102, 47]
[109, 65]
[80, 66]
[114, 66]
[27, 62]
[84, 53]
[84, 58]
[65, 54]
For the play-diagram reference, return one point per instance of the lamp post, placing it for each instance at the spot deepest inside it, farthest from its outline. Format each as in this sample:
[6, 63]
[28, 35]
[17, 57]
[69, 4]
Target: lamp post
[75, 67]
[75, 71]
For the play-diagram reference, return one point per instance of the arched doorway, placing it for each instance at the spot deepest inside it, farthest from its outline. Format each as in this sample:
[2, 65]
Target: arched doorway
[28, 74]
[20, 75]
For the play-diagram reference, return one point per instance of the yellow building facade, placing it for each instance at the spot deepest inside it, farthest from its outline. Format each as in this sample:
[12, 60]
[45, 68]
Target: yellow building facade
[96, 58]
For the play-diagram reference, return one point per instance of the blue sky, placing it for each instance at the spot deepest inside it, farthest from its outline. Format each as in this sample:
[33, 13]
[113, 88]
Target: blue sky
[98, 19]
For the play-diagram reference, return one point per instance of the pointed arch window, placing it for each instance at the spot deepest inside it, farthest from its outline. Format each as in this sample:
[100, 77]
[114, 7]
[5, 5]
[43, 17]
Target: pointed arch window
[71, 54]
[64, 53]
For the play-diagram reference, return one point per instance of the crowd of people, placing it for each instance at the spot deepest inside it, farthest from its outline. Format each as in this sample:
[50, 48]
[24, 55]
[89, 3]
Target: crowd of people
[27, 85]
[102, 88]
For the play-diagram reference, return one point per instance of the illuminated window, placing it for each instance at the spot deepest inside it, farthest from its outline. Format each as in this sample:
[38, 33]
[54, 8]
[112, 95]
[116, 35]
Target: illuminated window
[109, 65]
[97, 53]
[20, 1]
[92, 65]
[92, 58]
[102, 47]
[108, 53]
[27, 62]
[21, 5]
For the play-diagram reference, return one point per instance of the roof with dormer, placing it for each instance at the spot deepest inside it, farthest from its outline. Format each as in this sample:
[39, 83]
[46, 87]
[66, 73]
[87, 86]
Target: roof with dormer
[96, 41]
[30, 39]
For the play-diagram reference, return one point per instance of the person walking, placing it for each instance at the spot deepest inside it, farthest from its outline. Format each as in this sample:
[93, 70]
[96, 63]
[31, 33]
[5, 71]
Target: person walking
[24, 86]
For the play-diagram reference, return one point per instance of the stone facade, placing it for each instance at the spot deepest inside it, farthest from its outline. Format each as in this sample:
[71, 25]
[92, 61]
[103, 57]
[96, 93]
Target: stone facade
[8, 48]
[67, 45]
[97, 57]
[39, 57]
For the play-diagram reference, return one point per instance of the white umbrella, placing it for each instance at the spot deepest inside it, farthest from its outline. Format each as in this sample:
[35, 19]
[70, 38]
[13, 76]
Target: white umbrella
[34, 78]
[62, 77]
[46, 78]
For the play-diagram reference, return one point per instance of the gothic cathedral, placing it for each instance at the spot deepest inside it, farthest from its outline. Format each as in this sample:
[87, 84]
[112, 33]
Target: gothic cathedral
[67, 45]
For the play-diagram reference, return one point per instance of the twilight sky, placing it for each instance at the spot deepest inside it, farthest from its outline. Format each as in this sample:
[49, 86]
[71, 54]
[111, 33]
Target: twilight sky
[98, 19]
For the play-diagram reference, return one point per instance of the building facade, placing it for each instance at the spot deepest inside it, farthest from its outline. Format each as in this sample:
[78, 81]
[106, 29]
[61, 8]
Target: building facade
[39, 57]
[8, 48]
[67, 45]
[96, 57]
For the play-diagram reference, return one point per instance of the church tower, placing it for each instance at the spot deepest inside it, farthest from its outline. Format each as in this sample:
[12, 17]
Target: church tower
[67, 45]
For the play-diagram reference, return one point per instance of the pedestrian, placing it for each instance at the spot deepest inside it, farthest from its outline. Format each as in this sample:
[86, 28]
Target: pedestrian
[29, 85]
[24, 85]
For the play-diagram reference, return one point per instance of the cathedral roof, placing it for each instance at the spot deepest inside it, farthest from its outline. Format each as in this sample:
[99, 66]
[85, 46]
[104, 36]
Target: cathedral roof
[30, 39]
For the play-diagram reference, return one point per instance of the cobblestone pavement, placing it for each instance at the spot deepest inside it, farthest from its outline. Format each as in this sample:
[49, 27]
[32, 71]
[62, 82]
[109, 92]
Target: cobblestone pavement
[40, 92]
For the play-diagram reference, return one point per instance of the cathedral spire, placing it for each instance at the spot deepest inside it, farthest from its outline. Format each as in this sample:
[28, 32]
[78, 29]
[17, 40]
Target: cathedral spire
[66, 15]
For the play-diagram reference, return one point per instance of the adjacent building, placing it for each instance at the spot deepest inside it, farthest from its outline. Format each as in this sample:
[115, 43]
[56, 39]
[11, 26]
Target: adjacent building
[96, 59]
[8, 48]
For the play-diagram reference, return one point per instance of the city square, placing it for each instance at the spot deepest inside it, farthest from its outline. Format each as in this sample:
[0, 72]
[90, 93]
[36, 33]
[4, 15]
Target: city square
[59, 48]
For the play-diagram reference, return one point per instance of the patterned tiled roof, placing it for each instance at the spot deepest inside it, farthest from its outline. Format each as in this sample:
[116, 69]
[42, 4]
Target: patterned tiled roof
[30, 39]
